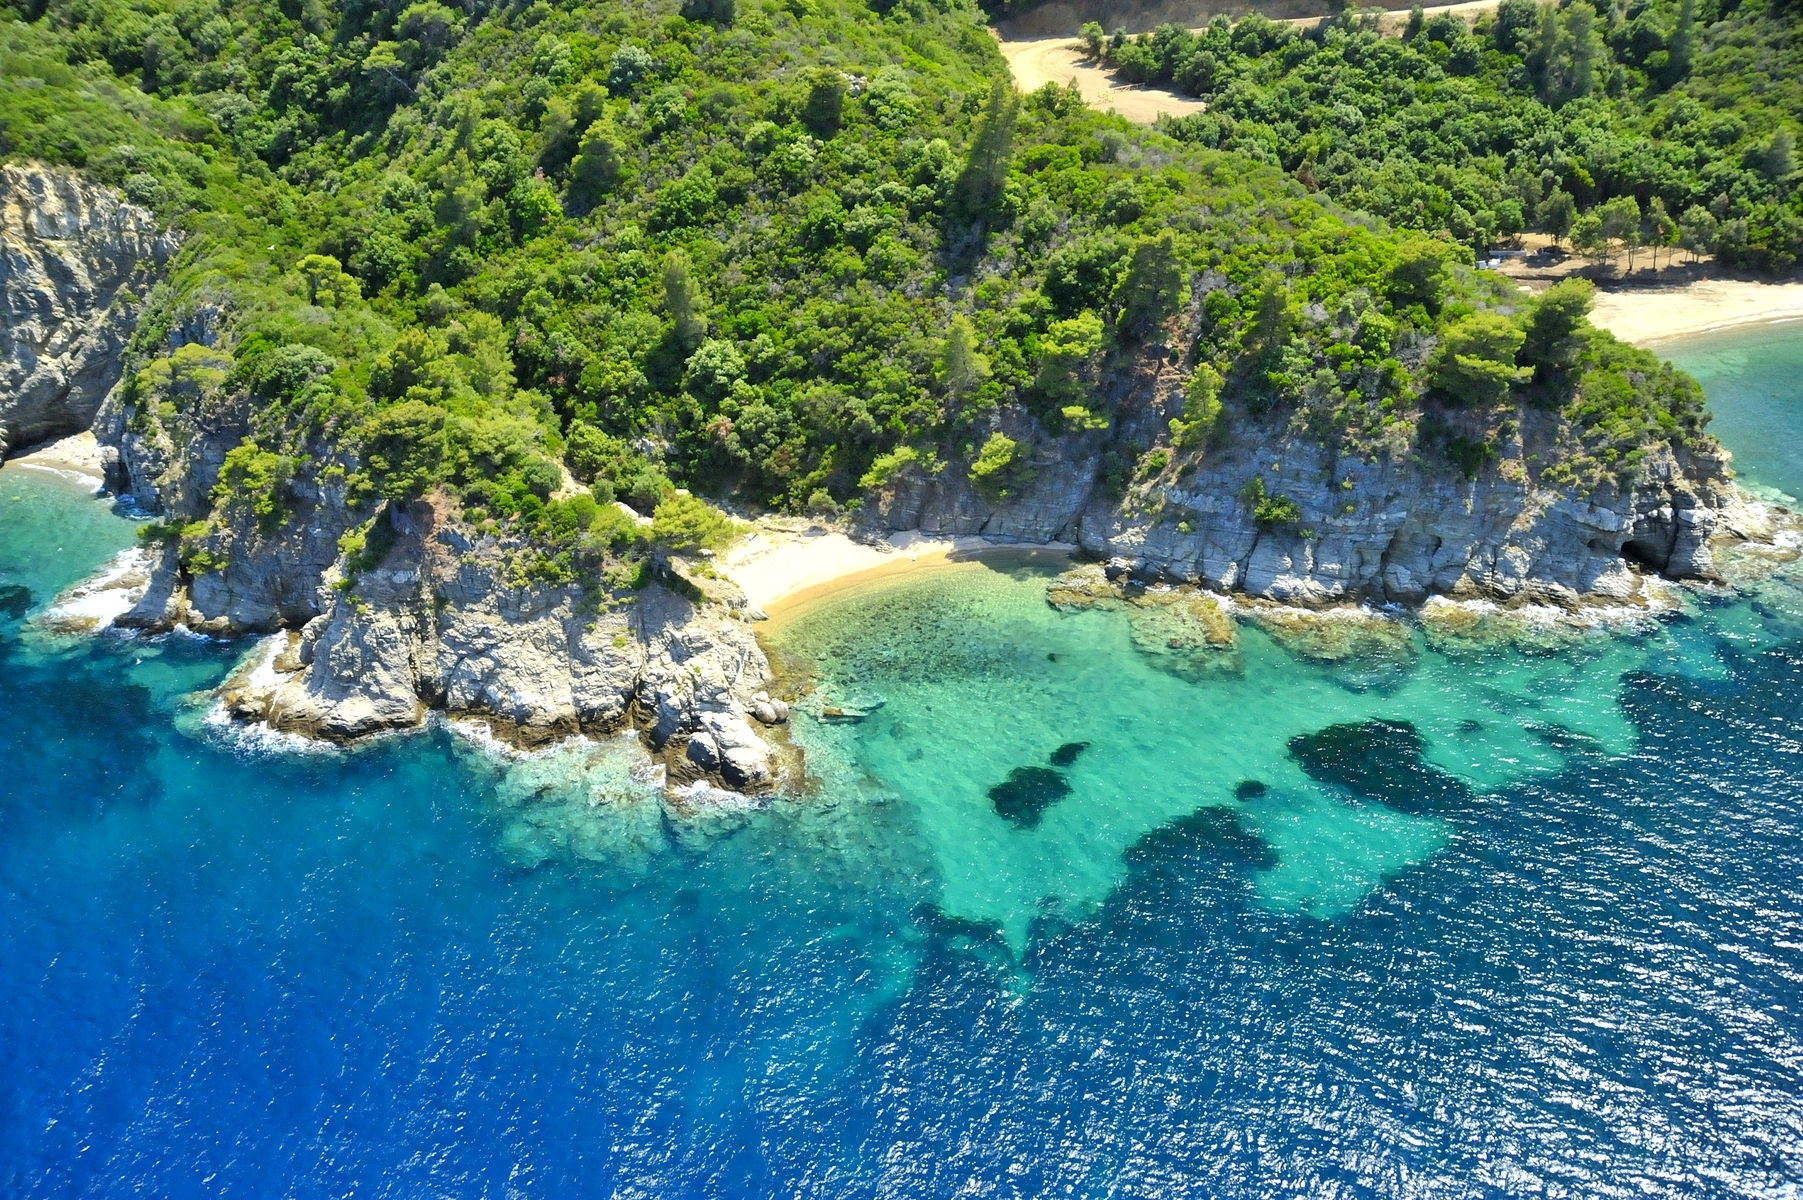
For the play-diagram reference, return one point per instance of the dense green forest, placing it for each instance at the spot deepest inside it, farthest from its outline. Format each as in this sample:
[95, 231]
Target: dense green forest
[777, 251]
[1654, 123]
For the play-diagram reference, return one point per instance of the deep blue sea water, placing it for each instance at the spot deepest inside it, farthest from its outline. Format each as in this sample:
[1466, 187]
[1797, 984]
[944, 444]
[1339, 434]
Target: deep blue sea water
[1498, 924]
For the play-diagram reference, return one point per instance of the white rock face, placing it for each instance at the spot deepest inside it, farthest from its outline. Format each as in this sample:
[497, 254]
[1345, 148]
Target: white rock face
[74, 261]
[438, 626]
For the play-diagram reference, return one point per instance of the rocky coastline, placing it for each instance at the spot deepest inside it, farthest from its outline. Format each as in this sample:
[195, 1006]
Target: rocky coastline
[443, 622]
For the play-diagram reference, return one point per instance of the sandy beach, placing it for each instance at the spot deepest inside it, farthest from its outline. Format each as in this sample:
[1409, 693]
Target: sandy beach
[779, 567]
[78, 457]
[1647, 316]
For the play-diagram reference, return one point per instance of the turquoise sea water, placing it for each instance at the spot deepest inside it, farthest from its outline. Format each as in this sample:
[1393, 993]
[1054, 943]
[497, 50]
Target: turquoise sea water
[1754, 376]
[1473, 924]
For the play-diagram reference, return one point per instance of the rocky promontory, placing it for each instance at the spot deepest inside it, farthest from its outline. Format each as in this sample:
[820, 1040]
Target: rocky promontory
[1376, 528]
[438, 624]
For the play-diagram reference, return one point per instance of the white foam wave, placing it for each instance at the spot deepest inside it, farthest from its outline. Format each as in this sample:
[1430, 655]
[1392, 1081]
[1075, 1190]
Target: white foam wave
[97, 603]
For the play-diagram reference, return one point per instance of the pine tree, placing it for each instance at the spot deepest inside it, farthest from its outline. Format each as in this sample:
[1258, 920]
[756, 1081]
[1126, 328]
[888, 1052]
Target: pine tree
[681, 302]
[1152, 288]
[1683, 44]
[962, 367]
[979, 185]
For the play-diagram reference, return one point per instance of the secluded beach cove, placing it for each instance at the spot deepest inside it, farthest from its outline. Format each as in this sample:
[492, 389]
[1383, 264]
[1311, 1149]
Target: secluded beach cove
[1089, 898]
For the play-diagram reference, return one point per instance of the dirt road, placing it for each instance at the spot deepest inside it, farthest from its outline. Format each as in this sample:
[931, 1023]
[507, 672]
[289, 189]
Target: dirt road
[1039, 61]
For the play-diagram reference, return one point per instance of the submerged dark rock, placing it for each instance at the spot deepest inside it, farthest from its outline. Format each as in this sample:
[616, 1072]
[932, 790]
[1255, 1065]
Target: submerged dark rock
[1024, 796]
[1212, 834]
[1250, 789]
[1381, 760]
[1068, 753]
[15, 601]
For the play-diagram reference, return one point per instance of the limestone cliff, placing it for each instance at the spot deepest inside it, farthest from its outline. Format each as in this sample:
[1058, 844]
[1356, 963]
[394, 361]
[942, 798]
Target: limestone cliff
[74, 261]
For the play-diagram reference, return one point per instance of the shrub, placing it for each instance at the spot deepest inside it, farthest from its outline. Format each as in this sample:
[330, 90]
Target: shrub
[995, 468]
[885, 467]
[685, 522]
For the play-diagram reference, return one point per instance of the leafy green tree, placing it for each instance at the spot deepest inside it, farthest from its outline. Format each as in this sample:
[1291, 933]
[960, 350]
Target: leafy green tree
[1475, 364]
[1587, 235]
[404, 448]
[682, 300]
[823, 112]
[324, 282]
[715, 12]
[1422, 274]
[1780, 159]
[1202, 409]
[1620, 224]
[962, 368]
[253, 478]
[1556, 213]
[1069, 354]
[630, 66]
[599, 164]
[713, 370]
[683, 522]
[186, 374]
[1697, 230]
[979, 184]
[996, 466]
[1271, 321]
[1682, 51]
[1555, 334]
[1515, 23]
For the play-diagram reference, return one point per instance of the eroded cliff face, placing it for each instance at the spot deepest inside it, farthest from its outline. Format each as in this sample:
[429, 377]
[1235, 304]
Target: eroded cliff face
[74, 261]
[1384, 528]
[438, 625]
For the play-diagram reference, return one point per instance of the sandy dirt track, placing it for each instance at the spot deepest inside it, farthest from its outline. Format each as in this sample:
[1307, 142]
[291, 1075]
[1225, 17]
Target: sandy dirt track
[1039, 61]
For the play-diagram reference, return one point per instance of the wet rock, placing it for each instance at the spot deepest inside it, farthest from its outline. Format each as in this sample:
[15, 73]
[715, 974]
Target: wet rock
[1023, 797]
[1184, 632]
[1477, 626]
[1084, 586]
[1335, 635]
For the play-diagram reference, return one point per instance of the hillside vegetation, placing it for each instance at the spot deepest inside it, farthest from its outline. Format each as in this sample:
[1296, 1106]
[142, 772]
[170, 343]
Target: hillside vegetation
[780, 251]
[1655, 123]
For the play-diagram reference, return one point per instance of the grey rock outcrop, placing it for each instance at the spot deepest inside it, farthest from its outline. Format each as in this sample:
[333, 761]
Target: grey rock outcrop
[74, 258]
[438, 625]
[1383, 529]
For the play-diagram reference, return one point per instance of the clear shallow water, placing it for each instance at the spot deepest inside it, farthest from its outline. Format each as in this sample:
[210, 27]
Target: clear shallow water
[1552, 947]
[1754, 378]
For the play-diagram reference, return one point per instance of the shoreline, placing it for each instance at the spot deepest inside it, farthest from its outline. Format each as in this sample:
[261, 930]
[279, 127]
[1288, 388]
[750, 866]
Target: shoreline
[78, 458]
[782, 569]
[1650, 316]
